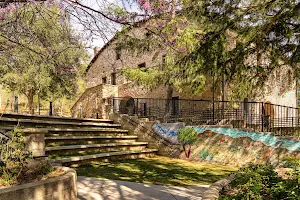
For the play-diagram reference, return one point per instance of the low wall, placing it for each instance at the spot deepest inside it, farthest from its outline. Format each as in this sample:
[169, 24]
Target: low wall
[59, 188]
[143, 129]
[237, 149]
[213, 192]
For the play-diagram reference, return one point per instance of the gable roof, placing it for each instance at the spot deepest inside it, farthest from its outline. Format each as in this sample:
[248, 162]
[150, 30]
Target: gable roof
[137, 24]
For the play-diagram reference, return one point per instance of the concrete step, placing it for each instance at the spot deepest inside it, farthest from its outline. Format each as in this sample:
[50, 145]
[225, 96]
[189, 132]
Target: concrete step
[54, 124]
[77, 160]
[86, 132]
[53, 118]
[72, 149]
[67, 140]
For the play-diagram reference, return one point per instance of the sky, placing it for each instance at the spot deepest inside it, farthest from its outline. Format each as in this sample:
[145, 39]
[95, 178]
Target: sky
[94, 40]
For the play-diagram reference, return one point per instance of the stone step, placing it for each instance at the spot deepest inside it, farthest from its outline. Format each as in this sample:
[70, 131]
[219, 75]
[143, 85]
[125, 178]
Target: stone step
[67, 140]
[55, 124]
[53, 118]
[77, 160]
[91, 137]
[72, 149]
[86, 132]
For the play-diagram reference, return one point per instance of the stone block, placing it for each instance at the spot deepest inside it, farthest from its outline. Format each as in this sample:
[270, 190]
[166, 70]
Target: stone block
[35, 141]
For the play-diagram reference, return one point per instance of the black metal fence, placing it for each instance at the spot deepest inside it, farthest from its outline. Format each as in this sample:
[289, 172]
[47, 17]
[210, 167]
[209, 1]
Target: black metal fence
[253, 116]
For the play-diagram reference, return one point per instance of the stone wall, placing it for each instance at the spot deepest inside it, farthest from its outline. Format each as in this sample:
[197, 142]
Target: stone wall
[233, 146]
[59, 188]
[93, 101]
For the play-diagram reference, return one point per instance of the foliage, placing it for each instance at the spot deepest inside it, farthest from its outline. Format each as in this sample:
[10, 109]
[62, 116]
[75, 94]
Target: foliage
[262, 182]
[42, 54]
[12, 157]
[43, 168]
[247, 41]
[187, 136]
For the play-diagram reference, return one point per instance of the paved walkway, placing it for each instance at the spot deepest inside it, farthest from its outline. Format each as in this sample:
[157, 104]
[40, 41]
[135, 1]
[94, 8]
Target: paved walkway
[103, 189]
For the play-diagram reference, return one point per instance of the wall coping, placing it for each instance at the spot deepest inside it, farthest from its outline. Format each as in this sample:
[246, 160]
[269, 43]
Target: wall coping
[214, 189]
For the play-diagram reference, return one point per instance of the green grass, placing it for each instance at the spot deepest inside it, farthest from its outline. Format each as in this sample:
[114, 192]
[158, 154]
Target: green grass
[158, 170]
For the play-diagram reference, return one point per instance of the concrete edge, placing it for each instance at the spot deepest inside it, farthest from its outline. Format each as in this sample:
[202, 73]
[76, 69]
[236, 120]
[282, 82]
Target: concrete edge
[26, 130]
[214, 189]
[101, 155]
[69, 173]
[55, 117]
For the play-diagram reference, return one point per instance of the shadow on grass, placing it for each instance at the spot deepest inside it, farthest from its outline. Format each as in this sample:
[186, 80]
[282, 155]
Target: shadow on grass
[160, 171]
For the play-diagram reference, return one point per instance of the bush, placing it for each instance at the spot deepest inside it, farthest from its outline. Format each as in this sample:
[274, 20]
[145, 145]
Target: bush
[187, 136]
[12, 156]
[262, 182]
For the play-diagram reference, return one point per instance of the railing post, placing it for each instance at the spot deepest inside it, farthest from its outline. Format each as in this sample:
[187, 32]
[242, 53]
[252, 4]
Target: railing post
[262, 117]
[16, 105]
[214, 110]
[80, 110]
[137, 107]
[51, 109]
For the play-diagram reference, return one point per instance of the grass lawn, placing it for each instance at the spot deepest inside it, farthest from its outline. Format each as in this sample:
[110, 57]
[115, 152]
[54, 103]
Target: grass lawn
[158, 170]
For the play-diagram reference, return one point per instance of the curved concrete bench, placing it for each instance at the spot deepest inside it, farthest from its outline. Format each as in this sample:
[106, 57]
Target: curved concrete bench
[58, 188]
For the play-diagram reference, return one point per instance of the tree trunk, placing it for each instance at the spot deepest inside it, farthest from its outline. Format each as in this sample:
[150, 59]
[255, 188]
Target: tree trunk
[168, 102]
[30, 101]
[187, 152]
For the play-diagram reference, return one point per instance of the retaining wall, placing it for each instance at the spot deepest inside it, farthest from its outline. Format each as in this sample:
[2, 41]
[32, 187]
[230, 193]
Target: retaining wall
[59, 188]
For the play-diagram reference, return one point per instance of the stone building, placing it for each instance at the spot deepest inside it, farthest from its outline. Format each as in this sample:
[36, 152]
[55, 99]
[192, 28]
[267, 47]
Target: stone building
[104, 80]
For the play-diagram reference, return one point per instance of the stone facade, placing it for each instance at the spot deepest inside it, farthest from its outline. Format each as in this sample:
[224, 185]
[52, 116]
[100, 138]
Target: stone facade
[106, 66]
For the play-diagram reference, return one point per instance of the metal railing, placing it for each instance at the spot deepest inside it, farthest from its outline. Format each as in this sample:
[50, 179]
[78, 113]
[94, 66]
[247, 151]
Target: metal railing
[253, 116]
[20, 108]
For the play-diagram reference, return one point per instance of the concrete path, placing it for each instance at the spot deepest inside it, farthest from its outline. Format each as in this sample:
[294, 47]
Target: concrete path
[103, 189]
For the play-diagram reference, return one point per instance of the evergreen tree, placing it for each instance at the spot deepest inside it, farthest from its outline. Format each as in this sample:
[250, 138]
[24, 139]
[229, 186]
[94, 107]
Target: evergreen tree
[245, 41]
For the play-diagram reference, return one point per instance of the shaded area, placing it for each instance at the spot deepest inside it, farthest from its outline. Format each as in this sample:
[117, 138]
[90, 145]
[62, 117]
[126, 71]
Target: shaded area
[158, 170]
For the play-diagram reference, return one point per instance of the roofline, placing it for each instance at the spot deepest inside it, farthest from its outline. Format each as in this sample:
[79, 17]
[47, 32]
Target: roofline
[112, 40]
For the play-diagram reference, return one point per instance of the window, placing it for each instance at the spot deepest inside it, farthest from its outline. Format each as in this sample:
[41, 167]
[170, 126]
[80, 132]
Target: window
[104, 80]
[164, 59]
[148, 34]
[163, 62]
[118, 53]
[142, 65]
[113, 79]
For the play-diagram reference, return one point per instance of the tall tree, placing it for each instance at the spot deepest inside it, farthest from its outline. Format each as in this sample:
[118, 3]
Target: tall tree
[245, 40]
[42, 53]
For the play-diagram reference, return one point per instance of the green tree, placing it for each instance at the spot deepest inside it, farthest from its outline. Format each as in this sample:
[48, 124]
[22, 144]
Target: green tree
[245, 41]
[44, 55]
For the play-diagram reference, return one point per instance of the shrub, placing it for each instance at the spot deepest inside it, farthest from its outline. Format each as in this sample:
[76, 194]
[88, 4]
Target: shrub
[262, 182]
[12, 156]
[187, 136]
